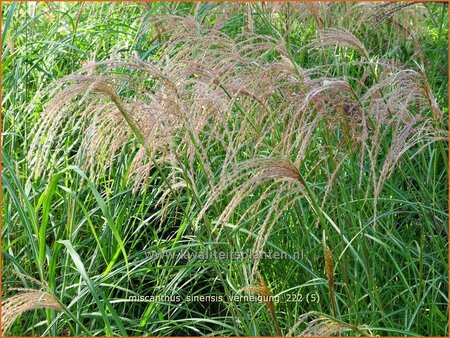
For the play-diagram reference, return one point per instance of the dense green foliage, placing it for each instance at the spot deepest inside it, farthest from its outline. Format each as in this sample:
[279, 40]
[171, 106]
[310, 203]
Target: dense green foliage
[290, 163]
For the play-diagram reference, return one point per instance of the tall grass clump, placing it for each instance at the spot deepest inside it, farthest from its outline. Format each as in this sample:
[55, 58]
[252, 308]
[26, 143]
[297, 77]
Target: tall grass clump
[146, 144]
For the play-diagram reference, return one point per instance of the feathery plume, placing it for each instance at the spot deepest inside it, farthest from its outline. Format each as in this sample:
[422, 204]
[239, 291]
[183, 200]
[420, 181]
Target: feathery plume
[330, 276]
[263, 290]
[339, 37]
[28, 299]
[322, 326]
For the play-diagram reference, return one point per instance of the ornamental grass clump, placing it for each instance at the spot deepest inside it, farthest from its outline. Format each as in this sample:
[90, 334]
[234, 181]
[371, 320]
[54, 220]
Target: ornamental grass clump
[227, 127]
[244, 96]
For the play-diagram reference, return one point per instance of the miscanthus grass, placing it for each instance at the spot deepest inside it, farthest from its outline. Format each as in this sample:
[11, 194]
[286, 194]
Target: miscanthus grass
[140, 140]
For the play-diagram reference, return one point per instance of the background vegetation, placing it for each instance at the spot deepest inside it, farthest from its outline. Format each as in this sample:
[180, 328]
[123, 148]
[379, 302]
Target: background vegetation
[317, 131]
